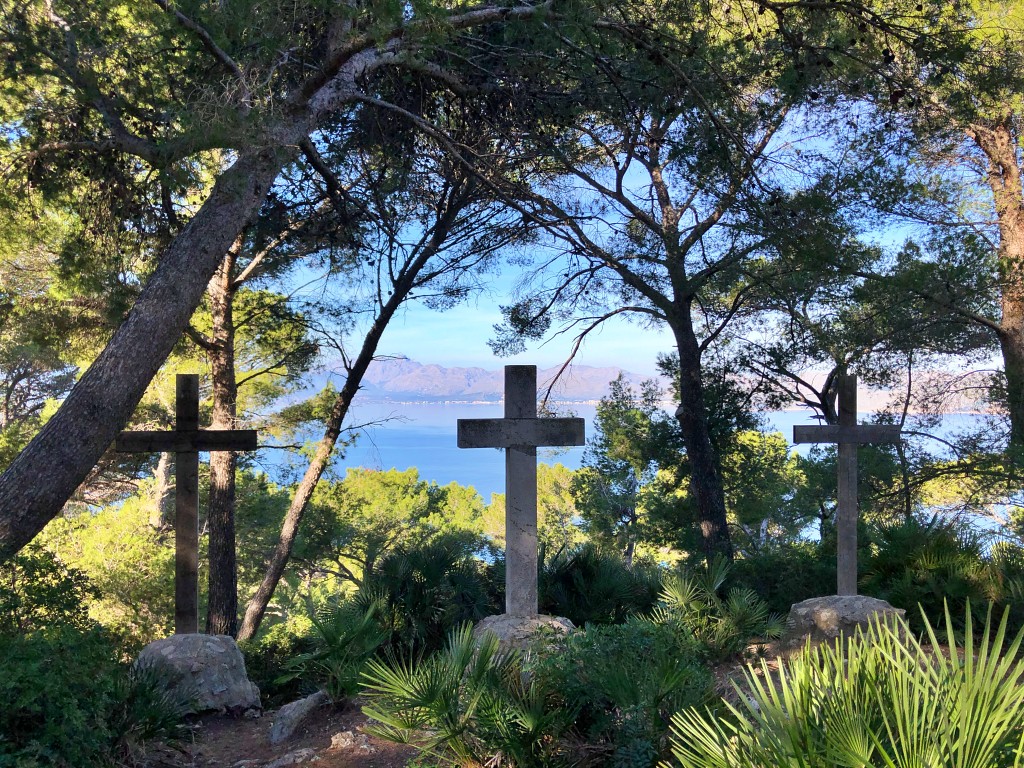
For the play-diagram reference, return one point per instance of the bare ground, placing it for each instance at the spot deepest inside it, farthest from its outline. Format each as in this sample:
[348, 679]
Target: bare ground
[331, 737]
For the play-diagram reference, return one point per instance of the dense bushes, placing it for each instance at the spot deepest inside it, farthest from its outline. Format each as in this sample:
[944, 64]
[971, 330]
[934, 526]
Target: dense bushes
[268, 658]
[588, 586]
[886, 701]
[622, 683]
[601, 696]
[722, 624]
[70, 701]
[38, 591]
[786, 574]
[69, 697]
[933, 562]
[423, 591]
[347, 634]
[909, 562]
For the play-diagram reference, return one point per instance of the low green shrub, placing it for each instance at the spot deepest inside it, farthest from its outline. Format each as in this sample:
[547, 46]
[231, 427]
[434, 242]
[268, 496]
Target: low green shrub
[38, 591]
[590, 586]
[70, 701]
[424, 591]
[466, 704]
[268, 655]
[722, 625]
[885, 701]
[601, 696]
[622, 682]
[346, 635]
[931, 562]
[787, 573]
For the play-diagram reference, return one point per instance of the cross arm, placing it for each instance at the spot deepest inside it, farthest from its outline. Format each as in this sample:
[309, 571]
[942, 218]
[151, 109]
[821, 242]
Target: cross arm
[181, 442]
[840, 433]
[506, 433]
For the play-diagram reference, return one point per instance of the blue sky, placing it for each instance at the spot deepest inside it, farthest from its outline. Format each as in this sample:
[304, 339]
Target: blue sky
[458, 337]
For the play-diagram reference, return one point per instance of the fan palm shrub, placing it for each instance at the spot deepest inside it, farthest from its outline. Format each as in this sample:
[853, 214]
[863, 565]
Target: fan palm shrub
[929, 562]
[468, 704]
[602, 696]
[346, 634]
[589, 586]
[722, 624]
[426, 590]
[886, 700]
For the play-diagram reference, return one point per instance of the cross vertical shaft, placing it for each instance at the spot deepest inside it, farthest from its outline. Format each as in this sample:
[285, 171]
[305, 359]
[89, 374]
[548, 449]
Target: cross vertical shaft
[521, 497]
[848, 434]
[186, 510]
[846, 513]
[185, 442]
[520, 432]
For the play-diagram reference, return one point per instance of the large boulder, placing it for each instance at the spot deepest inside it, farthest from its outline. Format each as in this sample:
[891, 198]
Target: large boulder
[824, 619]
[207, 668]
[522, 633]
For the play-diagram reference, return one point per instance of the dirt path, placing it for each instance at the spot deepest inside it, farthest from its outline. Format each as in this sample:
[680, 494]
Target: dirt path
[331, 737]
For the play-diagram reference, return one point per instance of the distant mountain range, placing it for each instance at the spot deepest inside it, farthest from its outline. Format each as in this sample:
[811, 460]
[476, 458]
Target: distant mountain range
[403, 380]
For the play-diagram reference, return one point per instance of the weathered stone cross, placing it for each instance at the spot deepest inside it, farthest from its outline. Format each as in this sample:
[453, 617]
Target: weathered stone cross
[520, 433]
[186, 441]
[848, 434]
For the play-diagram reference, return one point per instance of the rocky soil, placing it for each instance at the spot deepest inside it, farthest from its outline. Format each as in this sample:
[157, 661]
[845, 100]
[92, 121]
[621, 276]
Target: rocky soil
[331, 737]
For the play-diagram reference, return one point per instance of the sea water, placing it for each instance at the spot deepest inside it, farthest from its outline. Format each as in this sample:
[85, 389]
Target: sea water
[423, 435]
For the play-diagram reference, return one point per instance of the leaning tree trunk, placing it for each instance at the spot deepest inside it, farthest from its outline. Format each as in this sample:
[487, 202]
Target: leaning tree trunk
[35, 487]
[222, 606]
[705, 475]
[257, 605]
[402, 287]
[999, 144]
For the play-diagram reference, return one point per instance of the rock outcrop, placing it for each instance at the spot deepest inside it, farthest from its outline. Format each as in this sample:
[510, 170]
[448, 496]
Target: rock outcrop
[824, 619]
[290, 716]
[207, 668]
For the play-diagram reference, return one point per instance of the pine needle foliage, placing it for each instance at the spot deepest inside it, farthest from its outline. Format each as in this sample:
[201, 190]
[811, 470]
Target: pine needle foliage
[886, 700]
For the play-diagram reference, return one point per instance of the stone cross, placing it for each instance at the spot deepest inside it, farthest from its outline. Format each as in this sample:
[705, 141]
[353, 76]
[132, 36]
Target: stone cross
[186, 441]
[848, 434]
[520, 433]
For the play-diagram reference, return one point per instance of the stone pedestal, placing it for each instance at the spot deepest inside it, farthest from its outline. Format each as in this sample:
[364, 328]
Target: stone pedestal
[521, 633]
[824, 619]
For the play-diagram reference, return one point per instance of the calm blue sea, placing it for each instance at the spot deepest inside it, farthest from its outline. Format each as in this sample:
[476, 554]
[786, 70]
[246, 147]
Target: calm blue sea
[403, 435]
[423, 435]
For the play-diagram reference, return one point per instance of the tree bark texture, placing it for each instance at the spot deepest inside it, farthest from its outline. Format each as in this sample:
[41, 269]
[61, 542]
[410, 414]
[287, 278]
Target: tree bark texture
[705, 475]
[43, 476]
[162, 516]
[222, 606]
[1000, 145]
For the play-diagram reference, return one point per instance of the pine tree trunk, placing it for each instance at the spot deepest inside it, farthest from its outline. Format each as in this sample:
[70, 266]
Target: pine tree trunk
[222, 608]
[35, 487]
[1000, 146]
[705, 476]
[403, 286]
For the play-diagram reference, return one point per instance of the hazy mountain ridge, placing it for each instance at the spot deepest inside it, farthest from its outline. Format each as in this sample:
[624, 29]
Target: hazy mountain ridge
[408, 380]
